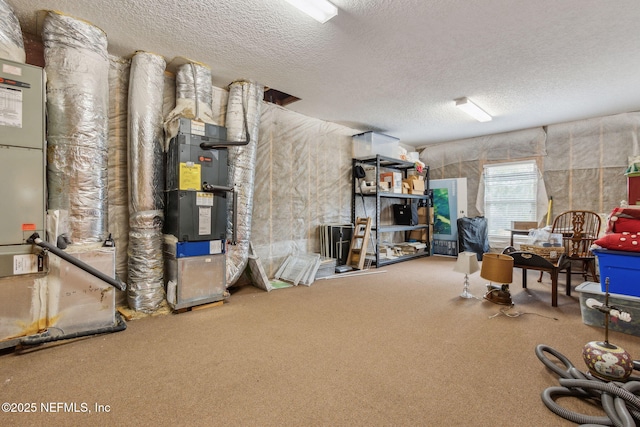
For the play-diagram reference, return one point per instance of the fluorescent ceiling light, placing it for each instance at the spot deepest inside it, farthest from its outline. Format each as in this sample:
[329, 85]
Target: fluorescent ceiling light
[472, 109]
[320, 10]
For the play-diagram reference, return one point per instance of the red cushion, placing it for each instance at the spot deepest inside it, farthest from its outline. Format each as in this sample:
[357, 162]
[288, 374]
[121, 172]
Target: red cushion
[629, 216]
[629, 242]
[621, 225]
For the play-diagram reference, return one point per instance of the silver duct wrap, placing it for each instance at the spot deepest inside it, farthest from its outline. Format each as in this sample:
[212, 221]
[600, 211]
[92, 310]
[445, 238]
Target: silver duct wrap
[11, 43]
[169, 94]
[146, 182]
[245, 101]
[193, 82]
[118, 156]
[193, 97]
[77, 68]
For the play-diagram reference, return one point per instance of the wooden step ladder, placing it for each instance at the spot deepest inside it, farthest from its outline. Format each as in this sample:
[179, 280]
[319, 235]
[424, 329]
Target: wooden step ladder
[359, 243]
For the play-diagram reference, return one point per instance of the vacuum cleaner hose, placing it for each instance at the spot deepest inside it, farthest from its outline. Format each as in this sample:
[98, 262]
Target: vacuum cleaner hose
[619, 402]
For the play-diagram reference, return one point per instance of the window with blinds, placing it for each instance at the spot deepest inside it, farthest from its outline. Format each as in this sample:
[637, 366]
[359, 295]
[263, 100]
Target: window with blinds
[510, 191]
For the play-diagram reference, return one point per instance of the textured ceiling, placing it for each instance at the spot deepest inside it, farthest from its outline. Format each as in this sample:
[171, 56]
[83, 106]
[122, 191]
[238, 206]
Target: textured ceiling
[396, 66]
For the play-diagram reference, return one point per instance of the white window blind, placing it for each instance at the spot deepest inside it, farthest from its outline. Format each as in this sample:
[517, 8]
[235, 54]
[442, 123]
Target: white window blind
[510, 191]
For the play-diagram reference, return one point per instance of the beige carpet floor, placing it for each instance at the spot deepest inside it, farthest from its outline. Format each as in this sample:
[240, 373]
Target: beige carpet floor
[394, 348]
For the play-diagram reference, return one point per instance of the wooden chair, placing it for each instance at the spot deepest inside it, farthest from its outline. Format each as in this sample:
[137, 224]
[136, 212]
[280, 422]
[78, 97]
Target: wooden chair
[579, 230]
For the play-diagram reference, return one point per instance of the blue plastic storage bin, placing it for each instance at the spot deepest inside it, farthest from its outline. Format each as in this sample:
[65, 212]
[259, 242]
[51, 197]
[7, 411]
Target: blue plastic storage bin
[622, 269]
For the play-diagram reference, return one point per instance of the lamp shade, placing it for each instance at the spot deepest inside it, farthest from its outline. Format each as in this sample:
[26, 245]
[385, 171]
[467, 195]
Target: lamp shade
[467, 263]
[497, 268]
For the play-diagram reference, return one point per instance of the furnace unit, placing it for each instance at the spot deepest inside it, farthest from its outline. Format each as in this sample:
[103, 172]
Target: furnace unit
[197, 193]
[42, 298]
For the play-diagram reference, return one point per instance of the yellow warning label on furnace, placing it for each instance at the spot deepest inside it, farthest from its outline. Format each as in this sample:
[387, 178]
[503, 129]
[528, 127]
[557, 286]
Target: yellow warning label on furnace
[190, 176]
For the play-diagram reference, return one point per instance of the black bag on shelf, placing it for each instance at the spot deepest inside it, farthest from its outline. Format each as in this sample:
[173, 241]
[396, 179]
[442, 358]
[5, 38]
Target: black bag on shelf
[406, 214]
[473, 235]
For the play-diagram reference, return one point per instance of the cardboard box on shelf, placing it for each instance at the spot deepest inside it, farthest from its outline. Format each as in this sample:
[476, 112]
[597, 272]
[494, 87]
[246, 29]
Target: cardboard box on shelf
[415, 184]
[406, 189]
[422, 215]
[419, 235]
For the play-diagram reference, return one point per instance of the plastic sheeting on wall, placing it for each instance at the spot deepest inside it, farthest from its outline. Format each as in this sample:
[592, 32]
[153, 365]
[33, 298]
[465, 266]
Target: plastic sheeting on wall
[77, 68]
[586, 162]
[303, 180]
[11, 42]
[243, 115]
[118, 159]
[582, 162]
[146, 182]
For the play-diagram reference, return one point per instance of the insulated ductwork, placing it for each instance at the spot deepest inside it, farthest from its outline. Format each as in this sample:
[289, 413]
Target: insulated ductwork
[11, 43]
[77, 68]
[119, 69]
[243, 115]
[146, 182]
[193, 97]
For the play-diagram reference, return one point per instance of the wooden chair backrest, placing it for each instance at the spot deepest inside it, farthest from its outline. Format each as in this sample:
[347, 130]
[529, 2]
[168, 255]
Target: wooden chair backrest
[579, 230]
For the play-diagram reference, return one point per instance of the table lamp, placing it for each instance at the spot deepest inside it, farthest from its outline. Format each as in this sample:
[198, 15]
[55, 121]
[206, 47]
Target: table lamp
[497, 268]
[466, 263]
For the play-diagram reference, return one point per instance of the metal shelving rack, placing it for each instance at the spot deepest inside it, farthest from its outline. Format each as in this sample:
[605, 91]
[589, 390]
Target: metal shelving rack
[377, 228]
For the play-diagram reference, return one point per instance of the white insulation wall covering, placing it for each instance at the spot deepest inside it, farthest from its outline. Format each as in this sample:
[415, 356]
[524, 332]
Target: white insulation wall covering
[146, 182]
[11, 43]
[303, 180]
[582, 162]
[586, 161]
[77, 68]
[118, 159]
[243, 114]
